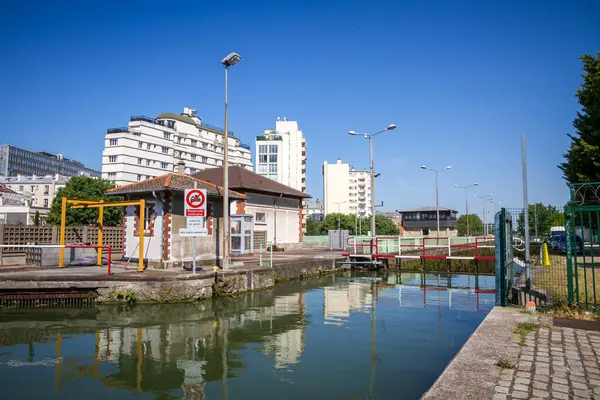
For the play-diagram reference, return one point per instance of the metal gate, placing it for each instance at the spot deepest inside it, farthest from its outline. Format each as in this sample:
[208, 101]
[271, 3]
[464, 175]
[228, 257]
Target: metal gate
[582, 220]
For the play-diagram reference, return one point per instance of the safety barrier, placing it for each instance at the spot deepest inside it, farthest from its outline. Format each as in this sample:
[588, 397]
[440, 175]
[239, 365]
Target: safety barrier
[441, 248]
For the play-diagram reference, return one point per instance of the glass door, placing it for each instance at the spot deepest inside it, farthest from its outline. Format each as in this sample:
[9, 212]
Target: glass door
[242, 234]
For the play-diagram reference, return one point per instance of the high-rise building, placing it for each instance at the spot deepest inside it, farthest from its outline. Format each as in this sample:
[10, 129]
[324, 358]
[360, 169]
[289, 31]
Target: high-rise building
[346, 190]
[16, 161]
[150, 147]
[281, 154]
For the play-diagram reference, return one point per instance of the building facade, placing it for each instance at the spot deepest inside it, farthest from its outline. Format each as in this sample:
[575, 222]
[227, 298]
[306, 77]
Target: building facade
[150, 147]
[276, 209]
[281, 154]
[16, 161]
[346, 190]
[16, 208]
[40, 189]
[423, 222]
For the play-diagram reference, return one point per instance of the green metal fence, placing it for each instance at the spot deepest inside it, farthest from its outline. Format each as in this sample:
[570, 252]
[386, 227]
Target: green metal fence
[582, 245]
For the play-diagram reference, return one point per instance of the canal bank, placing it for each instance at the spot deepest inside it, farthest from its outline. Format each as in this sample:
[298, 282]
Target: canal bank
[36, 285]
[489, 354]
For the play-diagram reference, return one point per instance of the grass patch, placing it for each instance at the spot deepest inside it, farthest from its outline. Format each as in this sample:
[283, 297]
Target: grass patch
[573, 312]
[505, 364]
[525, 328]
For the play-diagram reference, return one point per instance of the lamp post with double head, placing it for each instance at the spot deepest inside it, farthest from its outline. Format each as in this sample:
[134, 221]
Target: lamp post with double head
[467, 202]
[437, 199]
[370, 138]
[230, 60]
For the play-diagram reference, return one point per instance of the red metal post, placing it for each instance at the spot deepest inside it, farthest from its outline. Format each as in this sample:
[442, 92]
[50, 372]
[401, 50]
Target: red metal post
[109, 258]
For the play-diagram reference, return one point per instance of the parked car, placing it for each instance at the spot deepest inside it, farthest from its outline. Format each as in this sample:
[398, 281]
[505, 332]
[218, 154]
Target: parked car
[555, 240]
[562, 244]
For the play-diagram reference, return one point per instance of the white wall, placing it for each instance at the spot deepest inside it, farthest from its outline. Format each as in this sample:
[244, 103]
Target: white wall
[335, 187]
[152, 244]
[288, 223]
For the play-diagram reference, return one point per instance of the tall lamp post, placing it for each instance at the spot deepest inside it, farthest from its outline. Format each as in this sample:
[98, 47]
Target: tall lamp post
[339, 203]
[467, 202]
[437, 199]
[370, 138]
[230, 60]
[484, 200]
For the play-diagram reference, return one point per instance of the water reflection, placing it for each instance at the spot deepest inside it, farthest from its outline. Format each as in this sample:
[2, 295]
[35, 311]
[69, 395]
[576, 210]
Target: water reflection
[212, 349]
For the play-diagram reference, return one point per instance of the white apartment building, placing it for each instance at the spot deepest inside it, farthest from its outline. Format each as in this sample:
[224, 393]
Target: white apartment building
[150, 147]
[281, 154]
[346, 190]
[40, 190]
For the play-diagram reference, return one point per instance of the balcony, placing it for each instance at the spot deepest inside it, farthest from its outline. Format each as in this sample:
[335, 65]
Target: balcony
[118, 130]
[270, 137]
[143, 118]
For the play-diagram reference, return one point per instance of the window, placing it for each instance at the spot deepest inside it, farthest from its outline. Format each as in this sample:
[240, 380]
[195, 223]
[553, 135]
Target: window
[192, 170]
[273, 168]
[262, 158]
[164, 165]
[179, 139]
[204, 159]
[113, 142]
[139, 161]
[148, 146]
[32, 188]
[273, 149]
[204, 145]
[45, 203]
[260, 218]
[46, 189]
[147, 163]
[262, 168]
[112, 158]
[194, 143]
[148, 177]
[263, 148]
[165, 149]
[139, 177]
[193, 156]
[112, 175]
[219, 162]
[273, 158]
[167, 135]
[140, 145]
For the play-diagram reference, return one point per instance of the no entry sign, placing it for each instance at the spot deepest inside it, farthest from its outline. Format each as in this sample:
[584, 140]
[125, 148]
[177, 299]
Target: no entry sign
[195, 202]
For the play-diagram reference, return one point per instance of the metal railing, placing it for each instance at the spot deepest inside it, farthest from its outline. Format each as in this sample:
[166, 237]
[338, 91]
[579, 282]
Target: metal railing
[117, 130]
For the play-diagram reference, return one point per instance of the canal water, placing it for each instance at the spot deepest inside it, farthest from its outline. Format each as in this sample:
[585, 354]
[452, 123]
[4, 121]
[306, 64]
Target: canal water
[350, 336]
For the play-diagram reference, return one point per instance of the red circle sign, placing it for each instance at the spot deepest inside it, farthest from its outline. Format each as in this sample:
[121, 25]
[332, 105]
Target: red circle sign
[195, 198]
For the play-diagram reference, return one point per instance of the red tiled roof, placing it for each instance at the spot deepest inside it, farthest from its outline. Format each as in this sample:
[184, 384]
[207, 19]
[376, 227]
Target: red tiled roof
[245, 180]
[174, 182]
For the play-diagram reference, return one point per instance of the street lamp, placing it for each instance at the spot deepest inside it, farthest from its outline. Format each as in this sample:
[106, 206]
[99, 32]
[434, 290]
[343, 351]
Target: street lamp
[339, 203]
[485, 199]
[230, 60]
[437, 202]
[370, 137]
[467, 202]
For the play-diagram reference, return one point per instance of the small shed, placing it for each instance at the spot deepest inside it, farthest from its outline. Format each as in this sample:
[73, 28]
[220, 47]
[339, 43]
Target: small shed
[164, 216]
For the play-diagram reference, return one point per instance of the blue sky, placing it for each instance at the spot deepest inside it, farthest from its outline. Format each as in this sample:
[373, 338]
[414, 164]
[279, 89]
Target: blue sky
[461, 80]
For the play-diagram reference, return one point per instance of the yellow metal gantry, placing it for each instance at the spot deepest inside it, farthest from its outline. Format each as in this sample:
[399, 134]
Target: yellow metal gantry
[100, 204]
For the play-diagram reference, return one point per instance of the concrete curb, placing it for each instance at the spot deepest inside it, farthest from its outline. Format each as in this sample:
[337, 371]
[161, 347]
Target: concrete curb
[473, 372]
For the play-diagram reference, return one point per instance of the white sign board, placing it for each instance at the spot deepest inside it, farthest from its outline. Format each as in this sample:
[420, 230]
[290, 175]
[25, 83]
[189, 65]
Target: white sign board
[195, 222]
[184, 232]
[195, 202]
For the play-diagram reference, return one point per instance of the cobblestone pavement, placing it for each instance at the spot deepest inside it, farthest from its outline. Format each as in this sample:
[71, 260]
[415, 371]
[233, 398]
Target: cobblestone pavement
[555, 363]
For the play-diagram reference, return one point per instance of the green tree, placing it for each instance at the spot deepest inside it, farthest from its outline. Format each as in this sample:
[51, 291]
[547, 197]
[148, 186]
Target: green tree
[541, 218]
[583, 158]
[385, 226]
[475, 225]
[36, 219]
[313, 228]
[80, 187]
